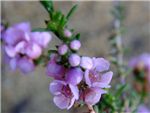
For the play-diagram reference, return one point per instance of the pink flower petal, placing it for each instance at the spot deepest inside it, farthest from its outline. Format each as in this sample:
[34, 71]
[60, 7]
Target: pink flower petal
[106, 77]
[33, 50]
[26, 65]
[10, 51]
[24, 26]
[55, 70]
[41, 38]
[87, 79]
[74, 76]
[55, 87]
[100, 64]
[75, 91]
[92, 96]
[61, 101]
[100, 85]
[71, 103]
[20, 47]
[12, 36]
[13, 63]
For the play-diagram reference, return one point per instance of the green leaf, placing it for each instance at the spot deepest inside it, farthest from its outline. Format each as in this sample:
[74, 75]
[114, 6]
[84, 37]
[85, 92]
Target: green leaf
[48, 5]
[121, 89]
[77, 36]
[63, 21]
[71, 11]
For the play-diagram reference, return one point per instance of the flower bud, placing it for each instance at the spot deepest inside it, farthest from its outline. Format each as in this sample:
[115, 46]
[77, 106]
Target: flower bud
[74, 60]
[75, 45]
[62, 49]
[86, 63]
[67, 33]
[74, 76]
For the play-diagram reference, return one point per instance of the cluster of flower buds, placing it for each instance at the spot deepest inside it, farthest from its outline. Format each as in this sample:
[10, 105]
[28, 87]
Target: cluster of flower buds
[141, 69]
[83, 80]
[22, 46]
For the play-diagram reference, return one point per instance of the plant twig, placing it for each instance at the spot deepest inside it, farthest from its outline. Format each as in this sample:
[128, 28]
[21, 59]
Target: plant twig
[91, 109]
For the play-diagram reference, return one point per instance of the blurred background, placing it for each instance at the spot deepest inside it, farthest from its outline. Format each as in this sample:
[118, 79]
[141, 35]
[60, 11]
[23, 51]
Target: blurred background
[29, 93]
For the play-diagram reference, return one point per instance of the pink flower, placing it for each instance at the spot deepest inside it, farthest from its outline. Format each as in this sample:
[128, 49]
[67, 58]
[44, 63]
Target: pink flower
[64, 94]
[16, 33]
[20, 41]
[96, 78]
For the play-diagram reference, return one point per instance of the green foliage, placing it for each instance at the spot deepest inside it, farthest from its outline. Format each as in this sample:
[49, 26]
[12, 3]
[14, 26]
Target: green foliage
[113, 102]
[48, 5]
[58, 21]
[72, 10]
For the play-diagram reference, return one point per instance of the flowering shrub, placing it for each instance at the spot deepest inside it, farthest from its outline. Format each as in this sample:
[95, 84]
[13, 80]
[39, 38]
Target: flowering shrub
[78, 80]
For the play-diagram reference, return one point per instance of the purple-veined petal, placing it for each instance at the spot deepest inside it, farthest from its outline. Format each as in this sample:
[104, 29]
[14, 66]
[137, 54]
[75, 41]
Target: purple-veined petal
[13, 63]
[100, 85]
[106, 77]
[27, 37]
[24, 26]
[33, 51]
[10, 51]
[61, 101]
[12, 36]
[87, 79]
[71, 103]
[74, 76]
[26, 65]
[55, 87]
[86, 62]
[55, 70]
[100, 64]
[75, 91]
[92, 96]
[41, 38]
[20, 47]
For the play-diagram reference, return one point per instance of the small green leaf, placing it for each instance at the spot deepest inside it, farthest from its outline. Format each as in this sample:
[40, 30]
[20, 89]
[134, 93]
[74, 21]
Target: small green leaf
[63, 21]
[71, 11]
[48, 5]
[121, 89]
